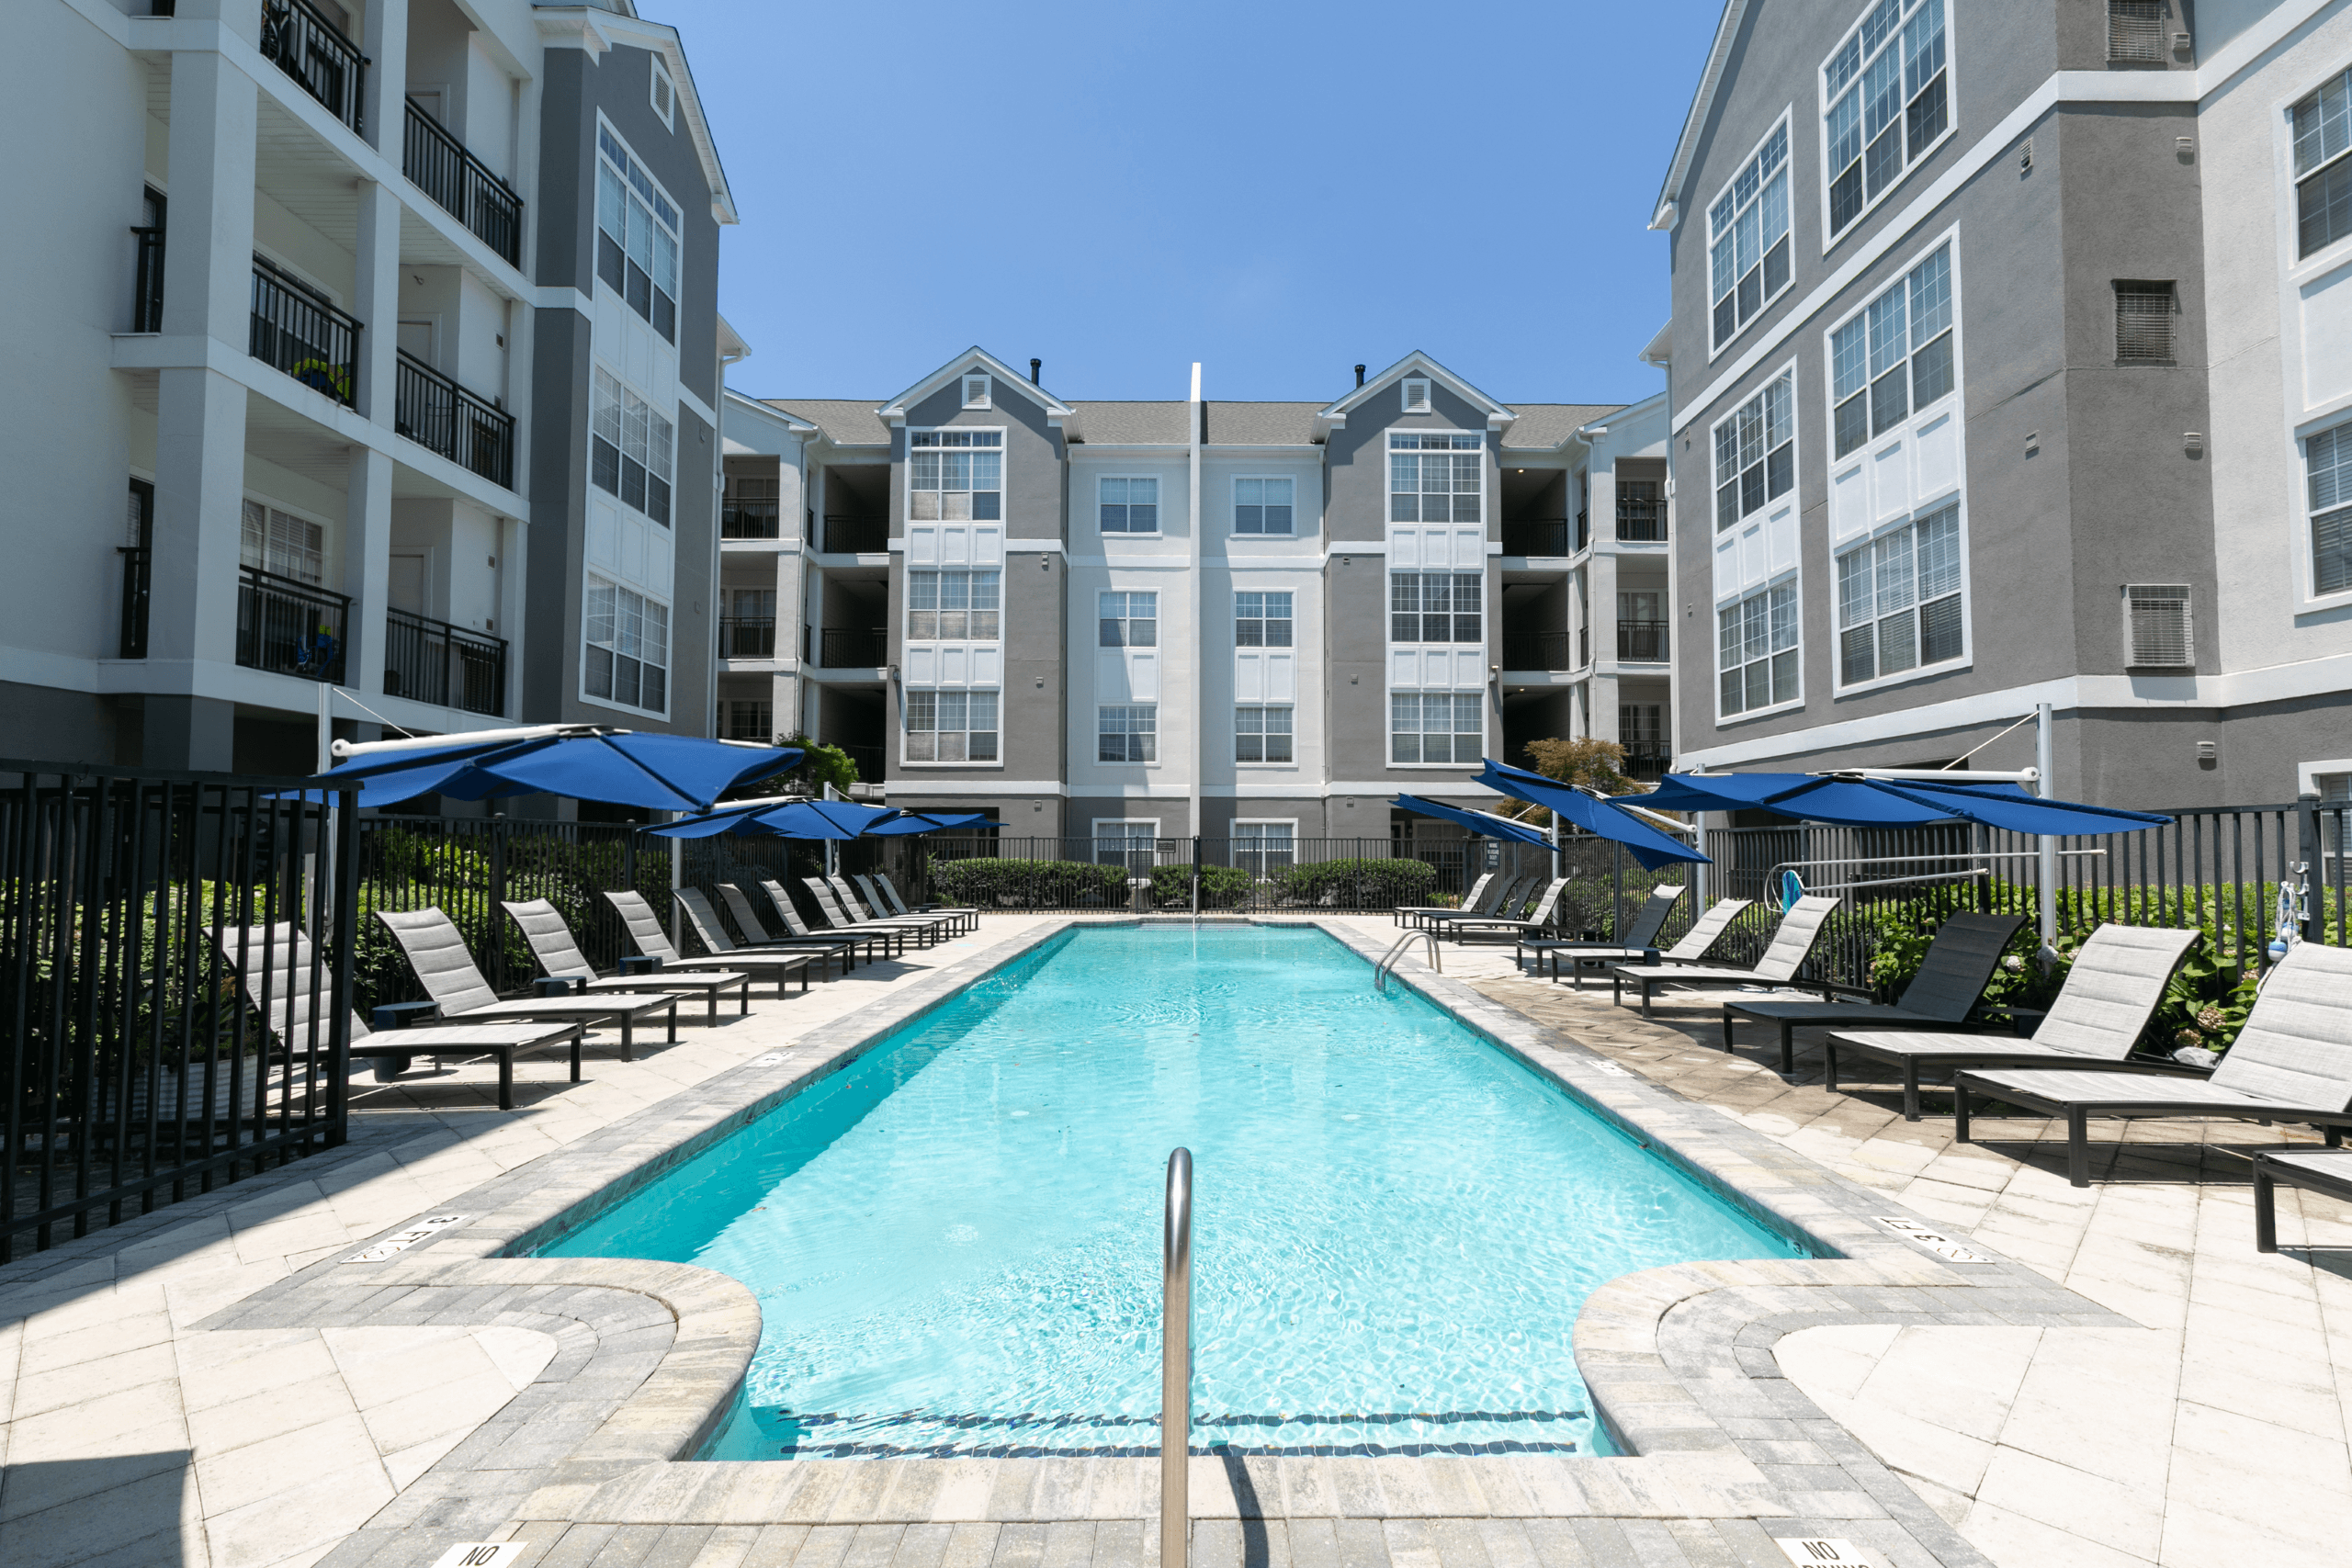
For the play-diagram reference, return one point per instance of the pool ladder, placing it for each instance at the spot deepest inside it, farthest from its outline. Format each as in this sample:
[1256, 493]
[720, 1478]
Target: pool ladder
[1176, 1362]
[1387, 964]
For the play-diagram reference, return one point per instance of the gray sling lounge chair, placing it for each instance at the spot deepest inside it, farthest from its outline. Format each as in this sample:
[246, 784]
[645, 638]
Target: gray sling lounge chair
[2325, 1171]
[644, 928]
[1792, 942]
[559, 953]
[756, 935]
[1952, 976]
[951, 921]
[2292, 1062]
[1503, 922]
[1411, 914]
[2115, 984]
[438, 952]
[873, 945]
[828, 908]
[1696, 943]
[278, 959]
[890, 889]
[934, 928]
[711, 931]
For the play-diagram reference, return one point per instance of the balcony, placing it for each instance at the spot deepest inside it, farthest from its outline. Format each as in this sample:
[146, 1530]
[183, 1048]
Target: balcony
[290, 627]
[147, 295]
[428, 661]
[438, 413]
[299, 332]
[1642, 642]
[747, 636]
[1646, 762]
[1539, 537]
[1536, 650]
[137, 565]
[313, 52]
[857, 536]
[839, 648]
[750, 520]
[1641, 520]
[438, 164]
[868, 759]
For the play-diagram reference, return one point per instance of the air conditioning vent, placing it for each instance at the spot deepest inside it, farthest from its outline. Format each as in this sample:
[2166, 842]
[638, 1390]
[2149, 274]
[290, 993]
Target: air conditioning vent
[2157, 626]
[1416, 394]
[976, 391]
[2143, 322]
[2135, 31]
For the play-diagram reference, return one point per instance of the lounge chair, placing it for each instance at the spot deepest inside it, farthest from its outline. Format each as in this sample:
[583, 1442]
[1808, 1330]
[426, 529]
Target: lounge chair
[874, 943]
[1951, 981]
[1640, 936]
[552, 943]
[644, 928]
[2325, 1171]
[711, 931]
[2292, 1062]
[884, 900]
[2115, 984]
[828, 908]
[1409, 914]
[755, 933]
[1460, 927]
[275, 964]
[891, 890]
[438, 952]
[1794, 940]
[936, 928]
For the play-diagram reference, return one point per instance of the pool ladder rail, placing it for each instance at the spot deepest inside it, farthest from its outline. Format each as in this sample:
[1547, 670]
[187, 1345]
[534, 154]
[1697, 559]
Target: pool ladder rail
[1387, 964]
[1176, 1362]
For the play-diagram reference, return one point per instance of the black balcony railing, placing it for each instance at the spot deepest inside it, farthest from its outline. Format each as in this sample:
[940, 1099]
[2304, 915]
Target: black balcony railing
[841, 647]
[136, 566]
[431, 661]
[857, 536]
[301, 334]
[147, 293]
[313, 52]
[438, 164]
[868, 759]
[434, 411]
[749, 520]
[1584, 648]
[1645, 760]
[1536, 650]
[1539, 537]
[290, 626]
[747, 636]
[1643, 642]
[1641, 520]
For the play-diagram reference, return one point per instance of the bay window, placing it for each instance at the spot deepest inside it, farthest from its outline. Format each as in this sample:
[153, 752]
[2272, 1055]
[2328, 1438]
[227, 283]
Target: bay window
[1436, 479]
[956, 475]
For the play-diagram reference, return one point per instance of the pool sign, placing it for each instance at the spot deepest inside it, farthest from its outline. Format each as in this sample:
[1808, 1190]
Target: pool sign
[1823, 1551]
[479, 1554]
[401, 1240]
[1935, 1241]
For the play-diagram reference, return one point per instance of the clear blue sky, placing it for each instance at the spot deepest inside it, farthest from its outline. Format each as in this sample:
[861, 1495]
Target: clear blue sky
[1278, 190]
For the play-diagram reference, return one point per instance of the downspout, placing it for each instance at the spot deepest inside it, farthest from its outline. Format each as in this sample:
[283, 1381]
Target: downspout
[1197, 423]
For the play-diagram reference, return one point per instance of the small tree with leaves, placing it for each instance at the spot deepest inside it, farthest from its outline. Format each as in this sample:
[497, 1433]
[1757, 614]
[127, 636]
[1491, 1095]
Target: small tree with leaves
[821, 765]
[1587, 760]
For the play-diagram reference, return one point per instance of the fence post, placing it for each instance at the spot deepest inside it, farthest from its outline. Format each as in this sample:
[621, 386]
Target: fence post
[1196, 876]
[346, 810]
[2307, 849]
[1616, 890]
[493, 916]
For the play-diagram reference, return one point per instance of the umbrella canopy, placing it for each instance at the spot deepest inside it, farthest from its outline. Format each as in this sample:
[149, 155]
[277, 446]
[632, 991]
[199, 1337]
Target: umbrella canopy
[1854, 802]
[664, 773]
[901, 823]
[836, 819]
[1604, 818]
[1481, 822]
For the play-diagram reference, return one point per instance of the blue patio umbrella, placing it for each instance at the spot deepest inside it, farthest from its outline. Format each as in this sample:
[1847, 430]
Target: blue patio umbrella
[900, 824]
[1601, 817]
[1480, 822]
[837, 819]
[1854, 801]
[618, 767]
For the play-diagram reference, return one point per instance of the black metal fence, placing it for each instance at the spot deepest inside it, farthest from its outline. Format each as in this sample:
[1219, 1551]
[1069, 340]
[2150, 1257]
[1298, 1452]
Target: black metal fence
[434, 661]
[856, 535]
[134, 1066]
[296, 331]
[439, 414]
[315, 52]
[442, 167]
[290, 626]
[147, 292]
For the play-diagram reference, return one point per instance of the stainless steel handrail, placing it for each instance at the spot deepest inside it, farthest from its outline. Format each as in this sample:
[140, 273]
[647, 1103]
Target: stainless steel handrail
[1176, 1362]
[1387, 964]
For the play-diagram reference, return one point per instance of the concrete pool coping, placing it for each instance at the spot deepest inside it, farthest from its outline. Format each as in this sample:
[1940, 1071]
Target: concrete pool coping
[1678, 1360]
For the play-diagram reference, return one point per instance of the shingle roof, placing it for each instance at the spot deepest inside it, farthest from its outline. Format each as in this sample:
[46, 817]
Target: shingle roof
[852, 422]
[1545, 425]
[1263, 425]
[1118, 424]
[846, 421]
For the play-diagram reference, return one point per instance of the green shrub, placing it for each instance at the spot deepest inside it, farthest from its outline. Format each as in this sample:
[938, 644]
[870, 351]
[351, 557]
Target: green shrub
[989, 883]
[1222, 886]
[1358, 883]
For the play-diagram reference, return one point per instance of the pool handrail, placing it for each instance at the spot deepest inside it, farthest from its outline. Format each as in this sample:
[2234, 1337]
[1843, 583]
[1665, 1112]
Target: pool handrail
[1387, 964]
[1176, 1362]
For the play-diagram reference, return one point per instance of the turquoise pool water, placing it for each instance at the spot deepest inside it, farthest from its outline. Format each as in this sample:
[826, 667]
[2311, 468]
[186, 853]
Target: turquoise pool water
[955, 1241]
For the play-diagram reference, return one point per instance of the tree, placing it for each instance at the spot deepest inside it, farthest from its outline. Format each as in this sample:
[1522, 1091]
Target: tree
[822, 765]
[1594, 764]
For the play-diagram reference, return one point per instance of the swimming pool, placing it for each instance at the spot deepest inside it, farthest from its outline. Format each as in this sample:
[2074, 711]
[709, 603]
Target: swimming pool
[954, 1241]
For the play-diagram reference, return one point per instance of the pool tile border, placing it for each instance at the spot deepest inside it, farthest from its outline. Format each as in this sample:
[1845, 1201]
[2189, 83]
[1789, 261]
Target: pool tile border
[1679, 1360]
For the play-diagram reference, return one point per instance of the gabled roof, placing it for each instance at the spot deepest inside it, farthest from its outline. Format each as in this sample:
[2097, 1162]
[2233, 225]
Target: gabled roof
[974, 358]
[1703, 103]
[1541, 426]
[845, 422]
[755, 409]
[1414, 364]
[594, 26]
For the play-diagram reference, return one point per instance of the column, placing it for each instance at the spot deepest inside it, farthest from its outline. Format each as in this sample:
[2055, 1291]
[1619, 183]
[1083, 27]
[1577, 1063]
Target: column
[376, 297]
[366, 568]
[383, 38]
[514, 579]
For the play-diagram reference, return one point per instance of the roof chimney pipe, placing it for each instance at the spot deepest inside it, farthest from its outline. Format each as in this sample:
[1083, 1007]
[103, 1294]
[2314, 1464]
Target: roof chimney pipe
[1035, 365]
[1359, 375]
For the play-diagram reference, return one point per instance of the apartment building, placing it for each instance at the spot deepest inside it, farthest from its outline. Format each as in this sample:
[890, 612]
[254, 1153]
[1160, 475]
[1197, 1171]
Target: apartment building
[378, 356]
[2011, 358]
[1151, 619]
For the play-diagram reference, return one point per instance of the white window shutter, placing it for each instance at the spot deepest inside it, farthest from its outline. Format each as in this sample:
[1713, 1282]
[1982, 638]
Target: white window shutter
[988, 544]
[1281, 678]
[1248, 676]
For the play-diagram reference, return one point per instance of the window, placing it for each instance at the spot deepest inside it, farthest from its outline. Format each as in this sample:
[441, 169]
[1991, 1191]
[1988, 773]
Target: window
[2323, 173]
[1756, 650]
[977, 391]
[2328, 458]
[2135, 31]
[631, 448]
[1885, 91]
[1263, 620]
[665, 95]
[629, 646]
[2143, 318]
[2157, 629]
[1130, 620]
[1262, 734]
[743, 720]
[1436, 727]
[1416, 394]
[1748, 234]
[1262, 849]
[956, 476]
[283, 543]
[636, 235]
[1895, 356]
[1436, 479]
[953, 606]
[1436, 607]
[1133, 843]
[1130, 506]
[1755, 452]
[1899, 600]
[951, 727]
[1261, 506]
[1129, 733]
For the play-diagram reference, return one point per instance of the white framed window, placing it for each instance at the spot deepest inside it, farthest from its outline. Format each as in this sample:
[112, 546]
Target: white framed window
[2327, 462]
[1416, 392]
[743, 718]
[1262, 620]
[665, 94]
[1436, 607]
[978, 388]
[1755, 452]
[1127, 619]
[631, 448]
[1262, 506]
[1263, 848]
[1127, 732]
[637, 234]
[2158, 629]
[2323, 125]
[1895, 357]
[1127, 506]
[282, 544]
[1901, 601]
[1885, 104]
[1262, 734]
[954, 604]
[1437, 479]
[626, 658]
[956, 475]
[1747, 238]
[951, 726]
[1130, 841]
[1755, 651]
[1448, 728]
